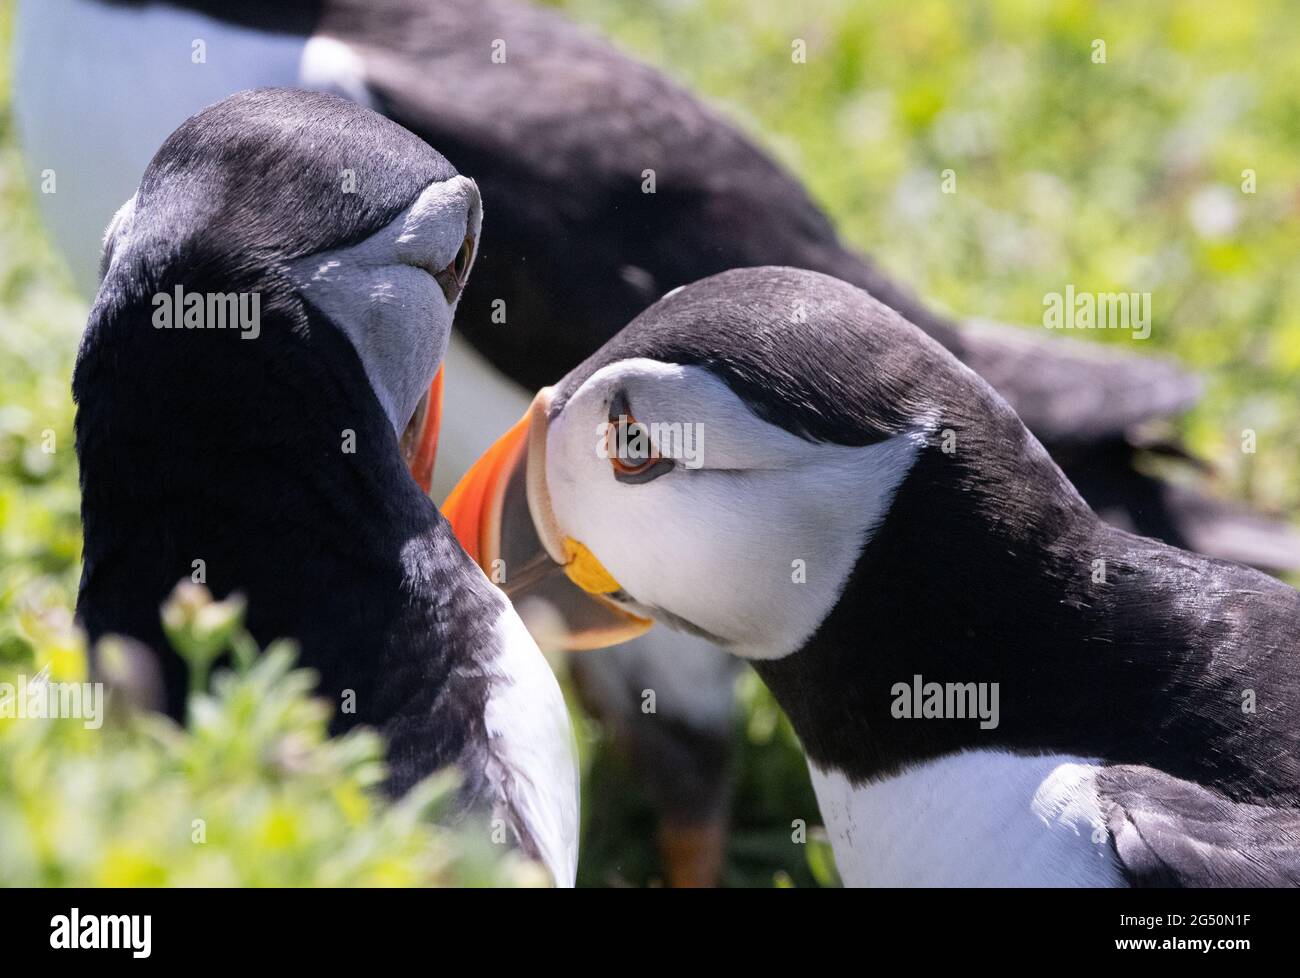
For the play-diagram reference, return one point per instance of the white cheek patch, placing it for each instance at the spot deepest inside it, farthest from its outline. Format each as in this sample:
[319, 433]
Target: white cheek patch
[755, 547]
[395, 314]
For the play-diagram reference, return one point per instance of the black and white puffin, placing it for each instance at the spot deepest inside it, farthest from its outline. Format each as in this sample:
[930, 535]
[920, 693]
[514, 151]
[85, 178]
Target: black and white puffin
[559, 128]
[266, 453]
[835, 497]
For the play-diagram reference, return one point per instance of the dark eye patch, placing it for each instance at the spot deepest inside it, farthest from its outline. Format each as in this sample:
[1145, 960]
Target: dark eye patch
[635, 471]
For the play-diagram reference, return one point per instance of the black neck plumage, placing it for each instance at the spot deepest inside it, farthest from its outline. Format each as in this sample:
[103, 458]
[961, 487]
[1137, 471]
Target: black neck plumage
[266, 466]
[987, 572]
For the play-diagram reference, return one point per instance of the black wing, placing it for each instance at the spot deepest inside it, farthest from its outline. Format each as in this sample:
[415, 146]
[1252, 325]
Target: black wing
[1074, 391]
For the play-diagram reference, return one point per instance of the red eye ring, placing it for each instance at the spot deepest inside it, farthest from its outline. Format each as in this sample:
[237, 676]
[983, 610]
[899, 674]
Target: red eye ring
[624, 469]
[615, 460]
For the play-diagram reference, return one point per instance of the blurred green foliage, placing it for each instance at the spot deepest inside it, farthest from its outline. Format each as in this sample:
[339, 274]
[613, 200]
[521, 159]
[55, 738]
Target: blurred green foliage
[771, 792]
[40, 322]
[1124, 175]
[250, 792]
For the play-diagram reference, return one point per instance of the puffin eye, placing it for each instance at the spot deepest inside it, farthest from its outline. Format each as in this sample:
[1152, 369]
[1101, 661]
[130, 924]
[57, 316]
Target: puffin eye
[460, 264]
[452, 278]
[632, 455]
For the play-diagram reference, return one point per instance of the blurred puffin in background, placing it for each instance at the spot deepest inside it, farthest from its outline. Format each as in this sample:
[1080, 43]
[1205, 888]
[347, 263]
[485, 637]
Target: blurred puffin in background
[268, 445]
[843, 503]
[559, 128]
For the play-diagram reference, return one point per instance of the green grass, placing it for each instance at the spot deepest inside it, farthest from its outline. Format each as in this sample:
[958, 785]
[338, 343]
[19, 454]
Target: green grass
[1117, 176]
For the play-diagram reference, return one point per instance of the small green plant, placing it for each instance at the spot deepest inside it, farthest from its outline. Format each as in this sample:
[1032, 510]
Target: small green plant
[251, 791]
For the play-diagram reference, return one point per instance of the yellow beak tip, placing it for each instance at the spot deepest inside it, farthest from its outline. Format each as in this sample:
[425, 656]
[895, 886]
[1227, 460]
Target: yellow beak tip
[584, 570]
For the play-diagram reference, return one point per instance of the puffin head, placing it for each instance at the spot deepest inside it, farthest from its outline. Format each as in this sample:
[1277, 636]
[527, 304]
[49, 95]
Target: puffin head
[323, 210]
[719, 466]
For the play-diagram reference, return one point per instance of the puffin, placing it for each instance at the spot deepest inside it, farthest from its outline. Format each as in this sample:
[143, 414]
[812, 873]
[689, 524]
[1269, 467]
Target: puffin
[993, 686]
[561, 131]
[252, 396]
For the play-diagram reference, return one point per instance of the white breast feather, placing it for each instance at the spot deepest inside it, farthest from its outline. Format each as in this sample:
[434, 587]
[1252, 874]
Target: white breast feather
[976, 818]
[532, 763]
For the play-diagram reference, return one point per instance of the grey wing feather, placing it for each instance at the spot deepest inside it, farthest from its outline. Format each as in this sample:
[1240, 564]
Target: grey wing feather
[1170, 832]
[1070, 391]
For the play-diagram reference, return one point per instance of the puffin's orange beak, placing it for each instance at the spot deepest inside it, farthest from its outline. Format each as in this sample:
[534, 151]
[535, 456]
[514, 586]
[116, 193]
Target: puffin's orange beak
[420, 439]
[501, 513]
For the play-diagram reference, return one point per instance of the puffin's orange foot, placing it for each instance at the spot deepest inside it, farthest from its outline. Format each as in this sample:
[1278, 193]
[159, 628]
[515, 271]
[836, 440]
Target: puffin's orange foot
[692, 852]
